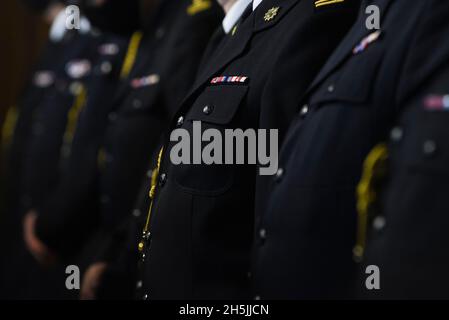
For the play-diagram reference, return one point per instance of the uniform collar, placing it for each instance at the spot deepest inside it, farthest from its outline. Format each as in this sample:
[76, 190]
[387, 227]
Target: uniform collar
[278, 9]
[235, 45]
[234, 14]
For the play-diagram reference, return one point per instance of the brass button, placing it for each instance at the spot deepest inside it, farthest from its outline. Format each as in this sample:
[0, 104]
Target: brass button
[279, 175]
[379, 223]
[396, 134]
[112, 116]
[106, 67]
[263, 234]
[304, 111]
[429, 147]
[137, 104]
[162, 179]
[207, 110]
[137, 213]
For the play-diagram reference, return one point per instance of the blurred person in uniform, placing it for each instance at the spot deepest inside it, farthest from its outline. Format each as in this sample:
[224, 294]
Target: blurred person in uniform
[56, 123]
[16, 134]
[198, 232]
[305, 241]
[161, 63]
[403, 206]
[116, 272]
[92, 57]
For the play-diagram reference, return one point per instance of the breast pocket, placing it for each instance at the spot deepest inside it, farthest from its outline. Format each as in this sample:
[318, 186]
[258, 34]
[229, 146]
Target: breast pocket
[353, 82]
[216, 108]
[218, 105]
[142, 99]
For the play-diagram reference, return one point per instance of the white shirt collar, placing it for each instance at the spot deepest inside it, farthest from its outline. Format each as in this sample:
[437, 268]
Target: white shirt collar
[256, 4]
[234, 14]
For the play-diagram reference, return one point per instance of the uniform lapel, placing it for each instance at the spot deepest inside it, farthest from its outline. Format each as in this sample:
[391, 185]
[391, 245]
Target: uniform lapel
[344, 50]
[232, 48]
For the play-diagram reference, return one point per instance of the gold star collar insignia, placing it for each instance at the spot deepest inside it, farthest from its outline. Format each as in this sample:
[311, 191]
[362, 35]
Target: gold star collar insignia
[271, 14]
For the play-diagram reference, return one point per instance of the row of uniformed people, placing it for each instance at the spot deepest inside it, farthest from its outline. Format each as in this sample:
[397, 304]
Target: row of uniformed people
[406, 176]
[17, 128]
[334, 90]
[92, 165]
[305, 239]
[42, 126]
[165, 58]
[379, 88]
[197, 233]
[336, 204]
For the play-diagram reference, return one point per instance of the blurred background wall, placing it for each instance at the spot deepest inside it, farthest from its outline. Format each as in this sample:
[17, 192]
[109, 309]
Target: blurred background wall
[22, 35]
